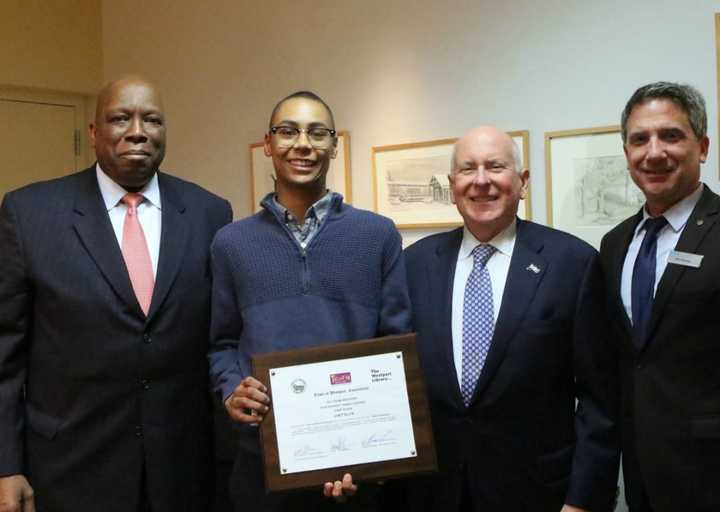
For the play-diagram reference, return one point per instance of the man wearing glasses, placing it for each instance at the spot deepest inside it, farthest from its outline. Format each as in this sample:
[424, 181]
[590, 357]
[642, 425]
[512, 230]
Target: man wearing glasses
[307, 270]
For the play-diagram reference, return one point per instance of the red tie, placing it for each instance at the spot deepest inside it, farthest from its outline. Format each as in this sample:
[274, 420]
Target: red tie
[136, 254]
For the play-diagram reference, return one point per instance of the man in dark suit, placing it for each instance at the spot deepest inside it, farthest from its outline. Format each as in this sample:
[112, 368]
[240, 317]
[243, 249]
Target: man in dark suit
[662, 267]
[104, 320]
[511, 332]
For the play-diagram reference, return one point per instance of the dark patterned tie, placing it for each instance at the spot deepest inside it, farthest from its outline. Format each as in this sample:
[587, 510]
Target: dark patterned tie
[643, 280]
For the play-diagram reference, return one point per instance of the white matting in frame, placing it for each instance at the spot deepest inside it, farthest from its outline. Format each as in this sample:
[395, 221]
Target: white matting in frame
[262, 173]
[717, 60]
[522, 139]
[589, 189]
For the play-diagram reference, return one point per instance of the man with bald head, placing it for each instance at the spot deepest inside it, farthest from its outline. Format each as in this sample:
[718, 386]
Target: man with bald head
[511, 332]
[104, 315]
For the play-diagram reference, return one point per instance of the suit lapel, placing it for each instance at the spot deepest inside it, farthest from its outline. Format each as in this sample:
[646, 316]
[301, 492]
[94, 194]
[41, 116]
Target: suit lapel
[173, 239]
[699, 224]
[441, 272]
[617, 263]
[527, 268]
[93, 227]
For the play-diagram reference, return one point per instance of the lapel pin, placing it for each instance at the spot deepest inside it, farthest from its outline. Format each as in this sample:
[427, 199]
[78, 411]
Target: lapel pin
[700, 222]
[533, 268]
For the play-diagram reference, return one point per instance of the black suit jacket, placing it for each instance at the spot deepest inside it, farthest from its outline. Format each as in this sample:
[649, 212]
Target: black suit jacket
[96, 399]
[671, 387]
[521, 445]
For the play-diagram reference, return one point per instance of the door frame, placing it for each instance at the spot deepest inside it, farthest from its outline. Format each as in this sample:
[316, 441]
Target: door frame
[83, 105]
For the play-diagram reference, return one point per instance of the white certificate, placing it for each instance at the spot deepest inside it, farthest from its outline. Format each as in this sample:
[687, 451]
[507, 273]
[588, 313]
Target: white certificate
[342, 412]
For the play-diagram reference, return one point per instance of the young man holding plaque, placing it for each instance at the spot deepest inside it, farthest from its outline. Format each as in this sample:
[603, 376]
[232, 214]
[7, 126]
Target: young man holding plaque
[307, 270]
[512, 335]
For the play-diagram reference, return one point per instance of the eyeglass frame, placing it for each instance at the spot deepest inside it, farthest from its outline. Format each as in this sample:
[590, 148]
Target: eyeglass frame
[333, 134]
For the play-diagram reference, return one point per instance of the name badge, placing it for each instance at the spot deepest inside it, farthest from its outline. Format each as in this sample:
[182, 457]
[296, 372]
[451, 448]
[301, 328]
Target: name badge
[686, 259]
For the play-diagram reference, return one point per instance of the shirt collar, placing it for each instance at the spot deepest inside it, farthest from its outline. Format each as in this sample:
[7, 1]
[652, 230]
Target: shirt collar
[504, 242]
[678, 214]
[112, 193]
[319, 208]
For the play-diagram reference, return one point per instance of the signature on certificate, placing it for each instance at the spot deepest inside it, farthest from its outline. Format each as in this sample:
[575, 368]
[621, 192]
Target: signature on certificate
[339, 445]
[306, 451]
[379, 439]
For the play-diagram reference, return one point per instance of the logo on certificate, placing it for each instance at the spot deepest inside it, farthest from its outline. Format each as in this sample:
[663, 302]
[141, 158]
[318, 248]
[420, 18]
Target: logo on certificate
[340, 378]
[298, 386]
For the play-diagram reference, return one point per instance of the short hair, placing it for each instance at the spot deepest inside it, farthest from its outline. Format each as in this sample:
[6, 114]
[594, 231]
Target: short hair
[517, 158]
[684, 96]
[302, 94]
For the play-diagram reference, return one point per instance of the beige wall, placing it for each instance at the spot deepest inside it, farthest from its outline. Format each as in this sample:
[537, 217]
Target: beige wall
[51, 44]
[401, 71]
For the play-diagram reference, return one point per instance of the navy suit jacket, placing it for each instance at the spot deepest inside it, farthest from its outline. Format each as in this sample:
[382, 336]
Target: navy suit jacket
[670, 418]
[521, 445]
[94, 395]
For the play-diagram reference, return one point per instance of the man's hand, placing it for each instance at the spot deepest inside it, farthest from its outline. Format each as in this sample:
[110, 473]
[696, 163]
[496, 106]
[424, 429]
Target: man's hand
[248, 402]
[16, 495]
[570, 508]
[339, 491]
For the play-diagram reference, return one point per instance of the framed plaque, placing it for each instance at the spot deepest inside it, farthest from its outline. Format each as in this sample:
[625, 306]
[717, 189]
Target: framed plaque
[356, 407]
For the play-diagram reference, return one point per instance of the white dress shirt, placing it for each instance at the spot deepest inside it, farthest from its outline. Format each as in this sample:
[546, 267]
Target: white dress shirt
[149, 211]
[667, 238]
[498, 266]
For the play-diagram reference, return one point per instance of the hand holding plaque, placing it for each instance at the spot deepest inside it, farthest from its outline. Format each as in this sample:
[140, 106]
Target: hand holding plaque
[248, 402]
[340, 489]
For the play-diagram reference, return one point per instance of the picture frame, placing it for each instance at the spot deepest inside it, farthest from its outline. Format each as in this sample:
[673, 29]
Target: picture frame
[589, 189]
[418, 196]
[522, 139]
[262, 173]
[717, 65]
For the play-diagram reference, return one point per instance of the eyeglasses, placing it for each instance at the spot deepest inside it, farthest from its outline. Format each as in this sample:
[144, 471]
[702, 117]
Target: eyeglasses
[319, 138]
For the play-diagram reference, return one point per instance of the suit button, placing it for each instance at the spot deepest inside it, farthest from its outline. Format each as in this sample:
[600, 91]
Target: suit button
[145, 384]
[147, 338]
[138, 431]
[640, 366]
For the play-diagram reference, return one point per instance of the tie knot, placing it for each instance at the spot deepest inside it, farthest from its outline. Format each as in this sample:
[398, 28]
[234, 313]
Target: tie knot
[132, 200]
[654, 225]
[481, 254]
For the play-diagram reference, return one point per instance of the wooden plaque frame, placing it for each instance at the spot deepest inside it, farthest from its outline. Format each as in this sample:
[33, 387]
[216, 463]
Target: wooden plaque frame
[424, 462]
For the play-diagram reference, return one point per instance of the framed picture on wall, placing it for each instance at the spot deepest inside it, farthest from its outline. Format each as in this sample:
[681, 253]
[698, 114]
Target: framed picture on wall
[411, 185]
[522, 139]
[589, 189]
[717, 58]
[262, 173]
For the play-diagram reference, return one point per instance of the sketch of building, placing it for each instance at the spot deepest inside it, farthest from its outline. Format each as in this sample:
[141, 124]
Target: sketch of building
[440, 187]
[604, 192]
[418, 180]
[408, 192]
